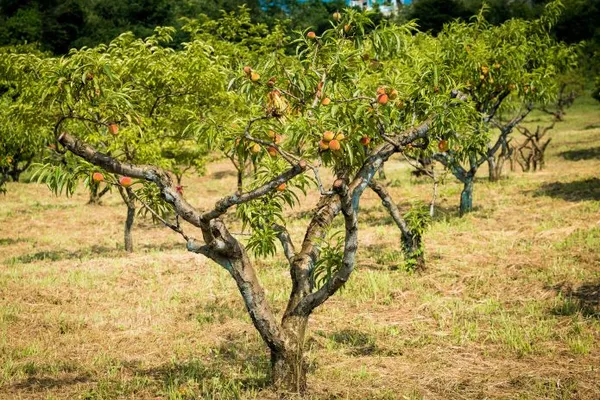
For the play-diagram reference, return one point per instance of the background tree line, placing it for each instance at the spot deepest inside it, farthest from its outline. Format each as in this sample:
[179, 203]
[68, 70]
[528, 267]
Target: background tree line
[58, 25]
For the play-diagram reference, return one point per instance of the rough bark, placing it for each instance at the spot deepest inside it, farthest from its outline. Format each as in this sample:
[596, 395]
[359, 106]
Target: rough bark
[289, 365]
[466, 197]
[129, 199]
[493, 172]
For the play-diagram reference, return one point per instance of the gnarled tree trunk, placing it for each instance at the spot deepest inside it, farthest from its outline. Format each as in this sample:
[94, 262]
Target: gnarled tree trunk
[288, 365]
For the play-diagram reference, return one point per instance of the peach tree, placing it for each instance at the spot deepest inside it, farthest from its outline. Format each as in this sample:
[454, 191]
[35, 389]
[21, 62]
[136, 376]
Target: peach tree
[505, 71]
[22, 134]
[324, 119]
[135, 99]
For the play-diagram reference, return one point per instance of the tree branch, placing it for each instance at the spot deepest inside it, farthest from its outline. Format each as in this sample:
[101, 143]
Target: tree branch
[146, 172]
[286, 242]
[350, 211]
[392, 208]
[224, 204]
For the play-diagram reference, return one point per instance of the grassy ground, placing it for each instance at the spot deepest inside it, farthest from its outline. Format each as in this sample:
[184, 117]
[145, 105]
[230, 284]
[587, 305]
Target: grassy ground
[508, 308]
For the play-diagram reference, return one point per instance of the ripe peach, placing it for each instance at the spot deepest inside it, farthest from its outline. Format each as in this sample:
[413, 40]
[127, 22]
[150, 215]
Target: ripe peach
[311, 35]
[326, 101]
[380, 90]
[97, 177]
[247, 70]
[443, 145]
[255, 148]
[113, 128]
[340, 136]
[334, 145]
[281, 187]
[323, 145]
[382, 99]
[272, 151]
[365, 140]
[125, 181]
[277, 139]
[347, 28]
[328, 135]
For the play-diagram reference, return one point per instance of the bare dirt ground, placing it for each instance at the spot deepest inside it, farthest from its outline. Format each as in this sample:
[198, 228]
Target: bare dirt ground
[508, 308]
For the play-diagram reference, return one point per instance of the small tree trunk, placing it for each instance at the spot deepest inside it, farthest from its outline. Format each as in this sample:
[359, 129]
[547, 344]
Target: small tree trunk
[289, 365]
[494, 174]
[466, 197]
[96, 194]
[413, 251]
[3, 180]
[128, 226]
[129, 199]
[412, 242]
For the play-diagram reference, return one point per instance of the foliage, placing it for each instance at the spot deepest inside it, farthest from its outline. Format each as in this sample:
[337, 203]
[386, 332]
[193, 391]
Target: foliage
[418, 220]
[340, 106]
[504, 71]
[330, 259]
[21, 130]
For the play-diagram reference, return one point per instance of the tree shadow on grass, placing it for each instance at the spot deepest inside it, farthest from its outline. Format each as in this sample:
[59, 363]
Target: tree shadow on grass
[87, 253]
[584, 299]
[236, 367]
[587, 189]
[57, 255]
[37, 384]
[581, 154]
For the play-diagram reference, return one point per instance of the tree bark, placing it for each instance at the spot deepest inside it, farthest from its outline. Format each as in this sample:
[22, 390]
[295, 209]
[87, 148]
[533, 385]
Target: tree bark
[466, 196]
[129, 199]
[494, 171]
[288, 365]
[128, 226]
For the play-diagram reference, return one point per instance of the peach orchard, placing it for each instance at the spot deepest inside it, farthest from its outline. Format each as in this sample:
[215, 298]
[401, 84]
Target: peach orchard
[289, 111]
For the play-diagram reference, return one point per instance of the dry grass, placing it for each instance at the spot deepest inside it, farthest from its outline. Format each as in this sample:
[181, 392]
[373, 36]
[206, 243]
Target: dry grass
[509, 307]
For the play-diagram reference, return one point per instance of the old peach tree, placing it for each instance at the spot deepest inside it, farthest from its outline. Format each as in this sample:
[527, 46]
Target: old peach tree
[325, 119]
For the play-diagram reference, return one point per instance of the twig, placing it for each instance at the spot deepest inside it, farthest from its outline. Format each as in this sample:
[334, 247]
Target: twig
[176, 228]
